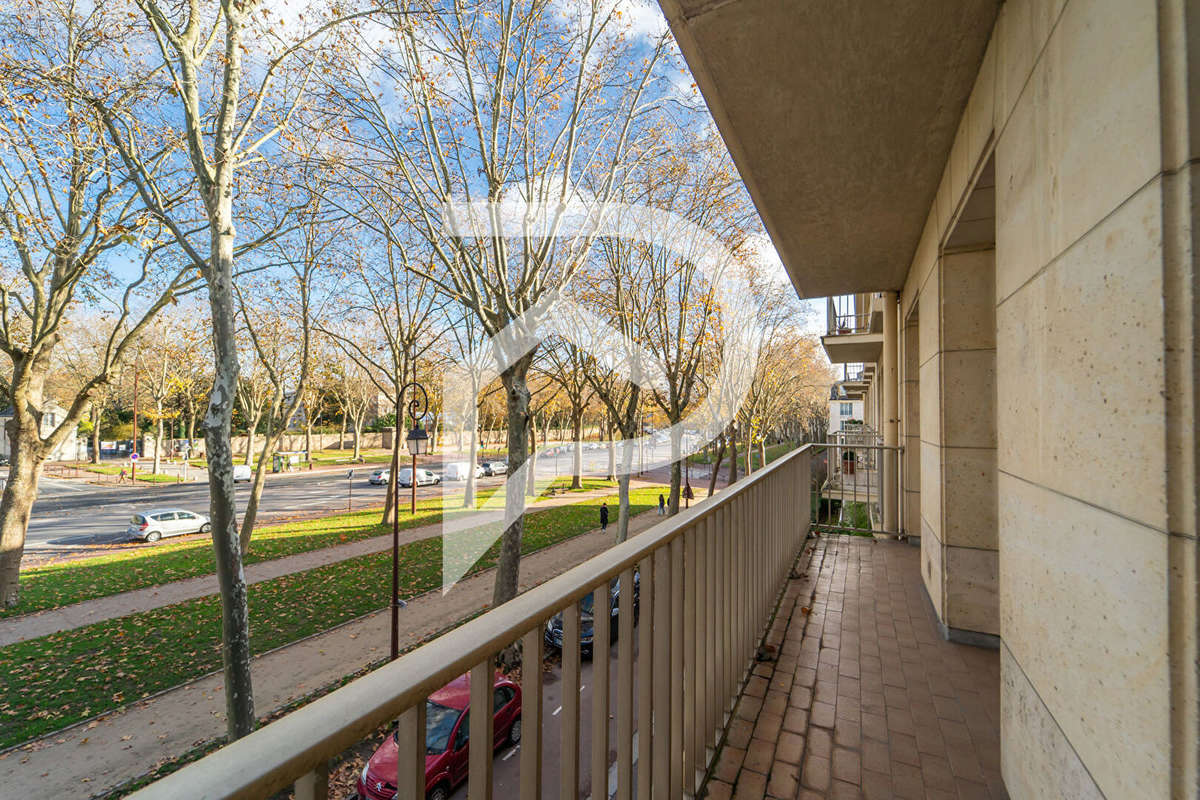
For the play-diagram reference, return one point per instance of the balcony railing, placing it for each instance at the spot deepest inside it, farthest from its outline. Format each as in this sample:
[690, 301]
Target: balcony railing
[843, 316]
[856, 481]
[709, 580]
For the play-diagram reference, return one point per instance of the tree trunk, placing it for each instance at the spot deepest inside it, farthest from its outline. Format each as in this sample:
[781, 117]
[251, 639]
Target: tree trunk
[762, 453]
[716, 467]
[733, 455]
[531, 476]
[508, 566]
[251, 431]
[389, 502]
[158, 443]
[20, 492]
[612, 455]
[96, 420]
[218, 428]
[749, 449]
[191, 430]
[577, 448]
[308, 441]
[358, 424]
[676, 469]
[472, 460]
[623, 488]
[342, 437]
[270, 445]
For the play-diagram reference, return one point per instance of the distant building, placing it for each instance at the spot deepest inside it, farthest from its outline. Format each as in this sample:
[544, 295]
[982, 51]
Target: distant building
[843, 409]
[72, 448]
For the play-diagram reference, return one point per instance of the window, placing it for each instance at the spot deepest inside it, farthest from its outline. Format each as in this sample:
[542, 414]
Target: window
[464, 731]
[847, 409]
[439, 722]
[501, 698]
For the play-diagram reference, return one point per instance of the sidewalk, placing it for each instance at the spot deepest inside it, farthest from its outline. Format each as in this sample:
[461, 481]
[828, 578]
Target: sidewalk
[57, 620]
[95, 757]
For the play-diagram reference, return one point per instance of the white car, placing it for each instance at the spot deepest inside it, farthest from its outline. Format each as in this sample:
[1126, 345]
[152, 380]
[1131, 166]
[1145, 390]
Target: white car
[491, 468]
[380, 477]
[459, 470]
[424, 477]
[242, 473]
[154, 525]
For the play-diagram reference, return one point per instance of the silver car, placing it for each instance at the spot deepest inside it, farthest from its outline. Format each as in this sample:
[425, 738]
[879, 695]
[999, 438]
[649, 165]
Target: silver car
[154, 525]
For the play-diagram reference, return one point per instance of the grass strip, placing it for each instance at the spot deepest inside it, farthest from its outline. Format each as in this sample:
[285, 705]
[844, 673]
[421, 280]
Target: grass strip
[51, 682]
[148, 477]
[56, 585]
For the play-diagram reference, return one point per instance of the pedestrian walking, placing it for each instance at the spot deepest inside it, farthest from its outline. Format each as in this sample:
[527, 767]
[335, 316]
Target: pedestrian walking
[662, 504]
[604, 516]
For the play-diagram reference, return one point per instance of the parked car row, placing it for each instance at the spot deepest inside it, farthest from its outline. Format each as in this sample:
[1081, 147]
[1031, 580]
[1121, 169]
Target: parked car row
[587, 617]
[456, 471]
[425, 477]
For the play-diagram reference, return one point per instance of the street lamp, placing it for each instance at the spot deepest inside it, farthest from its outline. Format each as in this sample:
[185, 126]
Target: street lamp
[418, 444]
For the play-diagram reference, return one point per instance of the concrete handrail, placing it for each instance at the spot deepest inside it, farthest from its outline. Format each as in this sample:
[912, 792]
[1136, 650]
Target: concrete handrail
[301, 743]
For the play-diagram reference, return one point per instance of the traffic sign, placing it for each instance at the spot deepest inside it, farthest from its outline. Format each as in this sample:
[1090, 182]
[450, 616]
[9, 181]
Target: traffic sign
[133, 456]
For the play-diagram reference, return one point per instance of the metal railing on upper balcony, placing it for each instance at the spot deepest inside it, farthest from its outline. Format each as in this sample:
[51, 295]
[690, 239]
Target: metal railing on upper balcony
[844, 316]
[709, 580]
[856, 481]
[853, 372]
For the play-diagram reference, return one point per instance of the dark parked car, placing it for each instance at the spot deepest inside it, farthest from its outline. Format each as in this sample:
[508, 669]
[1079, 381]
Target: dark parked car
[554, 628]
[447, 727]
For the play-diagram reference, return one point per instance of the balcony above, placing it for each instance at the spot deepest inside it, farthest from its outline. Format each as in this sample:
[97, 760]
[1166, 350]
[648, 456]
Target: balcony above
[843, 348]
[854, 330]
[839, 117]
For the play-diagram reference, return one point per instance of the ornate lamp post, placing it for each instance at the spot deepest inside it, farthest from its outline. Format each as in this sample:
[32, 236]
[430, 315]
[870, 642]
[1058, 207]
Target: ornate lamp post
[418, 445]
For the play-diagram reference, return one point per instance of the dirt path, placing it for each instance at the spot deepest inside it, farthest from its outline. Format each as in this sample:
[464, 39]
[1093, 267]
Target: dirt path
[95, 757]
[77, 615]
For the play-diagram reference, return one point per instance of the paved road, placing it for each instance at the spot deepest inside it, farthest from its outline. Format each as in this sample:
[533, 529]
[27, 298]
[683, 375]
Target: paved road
[73, 514]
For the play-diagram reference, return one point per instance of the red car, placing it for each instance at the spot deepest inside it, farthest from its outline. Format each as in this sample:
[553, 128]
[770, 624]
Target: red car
[447, 726]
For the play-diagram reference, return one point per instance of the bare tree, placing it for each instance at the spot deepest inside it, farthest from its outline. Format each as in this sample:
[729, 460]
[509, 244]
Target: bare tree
[392, 320]
[514, 103]
[253, 396]
[566, 365]
[66, 206]
[155, 364]
[225, 123]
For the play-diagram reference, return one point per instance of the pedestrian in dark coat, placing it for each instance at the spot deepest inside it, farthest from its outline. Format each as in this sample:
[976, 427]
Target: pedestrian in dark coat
[604, 516]
[662, 505]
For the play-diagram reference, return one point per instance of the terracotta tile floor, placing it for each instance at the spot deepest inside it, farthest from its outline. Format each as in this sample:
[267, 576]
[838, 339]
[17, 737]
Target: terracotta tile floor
[864, 698]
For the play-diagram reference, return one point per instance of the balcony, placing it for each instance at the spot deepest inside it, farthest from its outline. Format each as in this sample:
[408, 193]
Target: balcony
[762, 659]
[854, 328]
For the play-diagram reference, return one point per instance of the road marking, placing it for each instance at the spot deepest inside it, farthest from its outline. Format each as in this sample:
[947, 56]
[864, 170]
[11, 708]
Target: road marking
[557, 711]
[612, 771]
[510, 753]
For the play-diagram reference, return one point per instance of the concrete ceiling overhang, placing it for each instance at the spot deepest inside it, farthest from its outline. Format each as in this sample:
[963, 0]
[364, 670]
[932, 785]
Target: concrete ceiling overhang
[839, 115]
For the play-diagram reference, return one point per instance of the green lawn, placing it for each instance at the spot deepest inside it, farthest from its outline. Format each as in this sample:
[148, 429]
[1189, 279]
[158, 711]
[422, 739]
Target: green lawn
[51, 682]
[74, 581]
[773, 452]
[147, 476]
